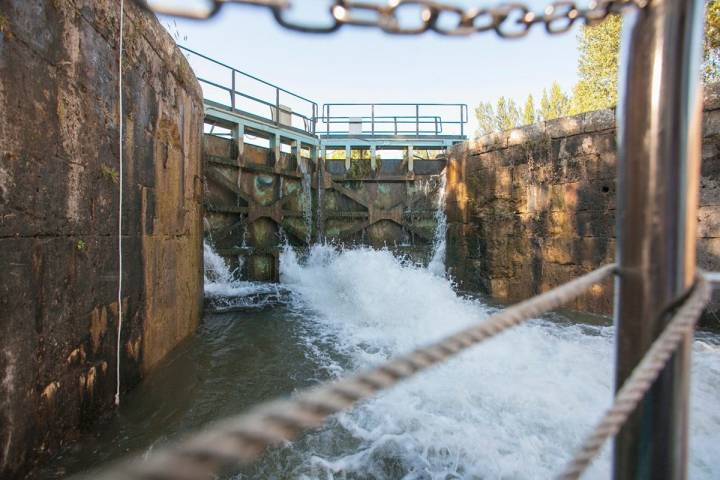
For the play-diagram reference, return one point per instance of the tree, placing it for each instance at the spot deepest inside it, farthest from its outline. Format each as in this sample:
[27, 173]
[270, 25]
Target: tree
[529, 116]
[485, 115]
[556, 104]
[711, 57]
[598, 62]
[504, 116]
[599, 59]
[507, 115]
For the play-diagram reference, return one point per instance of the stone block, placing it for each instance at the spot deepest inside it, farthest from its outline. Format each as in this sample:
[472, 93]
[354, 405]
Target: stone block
[709, 222]
[557, 250]
[486, 143]
[712, 96]
[708, 253]
[499, 288]
[526, 134]
[594, 223]
[538, 198]
[566, 126]
[711, 123]
[709, 191]
[599, 120]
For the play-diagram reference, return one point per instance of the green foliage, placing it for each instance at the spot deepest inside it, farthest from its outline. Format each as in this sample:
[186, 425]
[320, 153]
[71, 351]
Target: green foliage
[597, 86]
[5, 26]
[81, 246]
[110, 173]
[599, 48]
[359, 168]
[711, 57]
[507, 115]
[485, 115]
[529, 115]
[556, 104]
[504, 116]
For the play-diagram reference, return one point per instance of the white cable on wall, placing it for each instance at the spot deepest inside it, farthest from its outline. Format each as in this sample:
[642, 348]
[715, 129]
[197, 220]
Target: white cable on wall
[120, 208]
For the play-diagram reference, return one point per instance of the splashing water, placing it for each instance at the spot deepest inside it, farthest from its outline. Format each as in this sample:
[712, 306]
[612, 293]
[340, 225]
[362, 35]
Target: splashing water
[437, 261]
[516, 406]
[224, 292]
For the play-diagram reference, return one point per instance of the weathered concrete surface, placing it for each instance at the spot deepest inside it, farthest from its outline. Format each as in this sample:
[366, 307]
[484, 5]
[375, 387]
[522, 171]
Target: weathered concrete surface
[534, 207]
[58, 214]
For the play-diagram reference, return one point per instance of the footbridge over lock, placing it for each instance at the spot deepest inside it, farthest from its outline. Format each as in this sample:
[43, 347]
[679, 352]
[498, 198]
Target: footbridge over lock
[278, 168]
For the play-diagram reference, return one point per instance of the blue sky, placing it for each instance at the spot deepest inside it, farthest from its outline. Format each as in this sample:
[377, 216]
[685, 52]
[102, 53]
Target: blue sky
[365, 65]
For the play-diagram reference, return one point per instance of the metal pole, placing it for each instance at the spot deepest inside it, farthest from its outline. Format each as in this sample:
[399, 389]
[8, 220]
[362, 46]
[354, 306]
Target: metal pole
[277, 106]
[462, 121]
[372, 110]
[659, 134]
[417, 120]
[232, 94]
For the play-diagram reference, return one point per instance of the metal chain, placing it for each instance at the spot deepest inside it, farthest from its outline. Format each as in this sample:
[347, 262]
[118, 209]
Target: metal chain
[508, 20]
[641, 379]
[241, 440]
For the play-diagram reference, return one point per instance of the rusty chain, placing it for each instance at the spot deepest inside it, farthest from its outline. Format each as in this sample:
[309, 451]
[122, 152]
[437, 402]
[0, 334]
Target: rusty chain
[508, 20]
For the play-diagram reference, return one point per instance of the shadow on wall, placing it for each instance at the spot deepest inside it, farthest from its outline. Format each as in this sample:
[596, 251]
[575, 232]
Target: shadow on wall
[534, 207]
[59, 209]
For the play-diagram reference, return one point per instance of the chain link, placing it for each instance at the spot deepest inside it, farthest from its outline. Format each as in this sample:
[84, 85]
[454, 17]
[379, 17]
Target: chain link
[508, 20]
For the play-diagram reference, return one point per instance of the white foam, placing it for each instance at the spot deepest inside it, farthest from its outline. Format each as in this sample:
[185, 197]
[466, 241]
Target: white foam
[515, 407]
[225, 291]
[437, 261]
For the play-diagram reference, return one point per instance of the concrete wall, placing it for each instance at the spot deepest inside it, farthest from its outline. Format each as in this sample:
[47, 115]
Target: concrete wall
[58, 214]
[534, 207]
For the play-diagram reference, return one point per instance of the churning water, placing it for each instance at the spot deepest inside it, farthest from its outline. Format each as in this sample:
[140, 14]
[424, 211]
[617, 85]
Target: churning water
[515, 407]
[223, 292]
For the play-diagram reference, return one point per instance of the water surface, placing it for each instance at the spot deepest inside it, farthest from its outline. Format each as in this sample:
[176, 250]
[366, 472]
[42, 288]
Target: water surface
[514, 407]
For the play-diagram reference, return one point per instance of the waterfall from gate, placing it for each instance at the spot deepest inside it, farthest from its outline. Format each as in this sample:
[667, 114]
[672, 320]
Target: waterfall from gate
[437, 261]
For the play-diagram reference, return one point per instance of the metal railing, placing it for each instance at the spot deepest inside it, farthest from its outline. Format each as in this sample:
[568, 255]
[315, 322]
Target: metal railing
[275, 108]
[368, 122]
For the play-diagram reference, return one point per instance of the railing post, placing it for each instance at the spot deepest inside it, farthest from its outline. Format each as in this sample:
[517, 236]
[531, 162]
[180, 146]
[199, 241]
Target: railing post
[277, 106]
[659, 134]
[372, 123]
[417, 120]
[462, 121]
[232, 94]
[315, 115]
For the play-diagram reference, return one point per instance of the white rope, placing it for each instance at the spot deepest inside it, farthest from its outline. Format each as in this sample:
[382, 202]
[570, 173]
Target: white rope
[120, 209]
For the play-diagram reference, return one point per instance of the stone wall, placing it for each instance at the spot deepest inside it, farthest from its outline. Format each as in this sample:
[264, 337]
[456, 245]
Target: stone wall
[534, 207]
[59, 187]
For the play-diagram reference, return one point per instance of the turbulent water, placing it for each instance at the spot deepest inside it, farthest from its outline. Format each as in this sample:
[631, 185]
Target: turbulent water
[223, 292]
[514, 407]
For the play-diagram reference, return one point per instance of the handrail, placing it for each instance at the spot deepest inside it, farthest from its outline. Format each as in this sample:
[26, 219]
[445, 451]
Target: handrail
[438, 120]
[437, 123]
[275, 106]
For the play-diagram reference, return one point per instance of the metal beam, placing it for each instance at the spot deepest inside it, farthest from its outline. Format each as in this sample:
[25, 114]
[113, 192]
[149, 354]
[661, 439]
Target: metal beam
[659, 133]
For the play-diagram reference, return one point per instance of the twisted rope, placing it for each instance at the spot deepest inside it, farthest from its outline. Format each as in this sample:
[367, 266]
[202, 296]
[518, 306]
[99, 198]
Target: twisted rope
[240, 440]
[641, 379]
